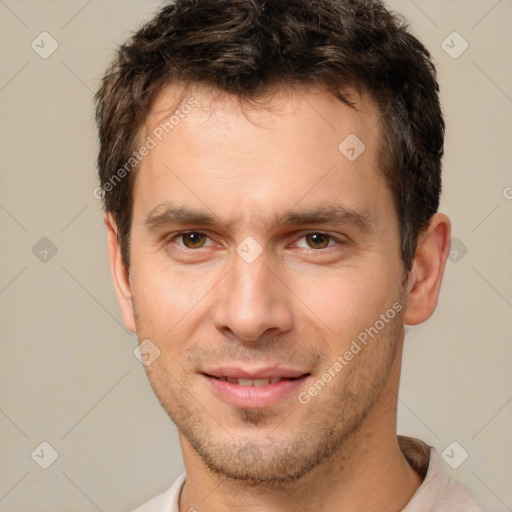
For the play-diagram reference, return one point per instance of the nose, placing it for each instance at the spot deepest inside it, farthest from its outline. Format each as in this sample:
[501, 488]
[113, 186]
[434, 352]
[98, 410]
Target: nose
[252, 301]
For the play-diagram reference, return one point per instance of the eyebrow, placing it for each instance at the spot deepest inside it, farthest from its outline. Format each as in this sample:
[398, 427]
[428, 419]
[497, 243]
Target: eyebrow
[162, 216]
[337, 214]
[178, 215]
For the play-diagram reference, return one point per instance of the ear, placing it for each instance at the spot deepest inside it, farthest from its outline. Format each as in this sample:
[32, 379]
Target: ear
[427, 270]
[120, 275]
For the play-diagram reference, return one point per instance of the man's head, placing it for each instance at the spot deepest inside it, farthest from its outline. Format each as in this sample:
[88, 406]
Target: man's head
[249, 47]
[277, 227]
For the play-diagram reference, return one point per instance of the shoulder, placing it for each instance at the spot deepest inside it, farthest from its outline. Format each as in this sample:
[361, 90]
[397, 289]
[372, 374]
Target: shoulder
[437, 493]
[168, 501]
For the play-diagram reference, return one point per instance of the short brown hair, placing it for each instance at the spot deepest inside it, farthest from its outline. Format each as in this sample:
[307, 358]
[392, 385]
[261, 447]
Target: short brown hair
[247, 48]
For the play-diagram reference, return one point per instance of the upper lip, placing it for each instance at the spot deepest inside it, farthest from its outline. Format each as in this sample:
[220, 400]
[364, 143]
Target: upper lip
[260, 373]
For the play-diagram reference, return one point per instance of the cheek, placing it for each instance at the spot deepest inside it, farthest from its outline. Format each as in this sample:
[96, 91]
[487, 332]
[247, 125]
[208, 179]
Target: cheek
[345, 301]
[169, 299]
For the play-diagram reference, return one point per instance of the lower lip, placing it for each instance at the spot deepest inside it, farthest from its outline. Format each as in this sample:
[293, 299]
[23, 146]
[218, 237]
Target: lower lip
[254, 397]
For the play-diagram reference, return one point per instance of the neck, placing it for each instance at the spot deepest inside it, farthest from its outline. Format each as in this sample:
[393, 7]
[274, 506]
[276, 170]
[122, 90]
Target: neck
[368, 472]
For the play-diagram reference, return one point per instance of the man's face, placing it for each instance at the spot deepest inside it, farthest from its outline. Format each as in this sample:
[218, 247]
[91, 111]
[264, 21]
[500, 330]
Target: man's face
[268, 283]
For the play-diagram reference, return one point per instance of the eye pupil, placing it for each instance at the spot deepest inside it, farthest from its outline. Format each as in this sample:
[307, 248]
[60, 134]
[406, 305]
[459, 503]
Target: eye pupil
[193, 240]
[317, 240]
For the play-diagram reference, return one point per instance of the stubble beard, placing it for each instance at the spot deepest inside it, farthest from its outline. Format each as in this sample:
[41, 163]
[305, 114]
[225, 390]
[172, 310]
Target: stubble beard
[286, 453]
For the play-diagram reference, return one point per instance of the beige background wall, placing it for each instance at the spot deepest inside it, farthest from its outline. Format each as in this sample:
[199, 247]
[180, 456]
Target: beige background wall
[68, 375]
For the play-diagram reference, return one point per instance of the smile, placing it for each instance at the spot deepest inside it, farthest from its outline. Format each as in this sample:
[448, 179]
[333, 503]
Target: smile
[253, 382]
[259, 392]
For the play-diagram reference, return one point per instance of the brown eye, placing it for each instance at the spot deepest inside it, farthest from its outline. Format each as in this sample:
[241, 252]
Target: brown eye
[317, 240]
[193, 240]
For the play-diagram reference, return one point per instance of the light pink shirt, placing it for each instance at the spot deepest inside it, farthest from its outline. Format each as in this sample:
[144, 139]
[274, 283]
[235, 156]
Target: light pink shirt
[437, 493]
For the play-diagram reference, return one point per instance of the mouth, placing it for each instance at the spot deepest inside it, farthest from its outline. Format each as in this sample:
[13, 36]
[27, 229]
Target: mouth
[253, 382]
[254, 390]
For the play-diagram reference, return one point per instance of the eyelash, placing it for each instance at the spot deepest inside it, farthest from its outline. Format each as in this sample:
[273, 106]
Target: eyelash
[181, 234]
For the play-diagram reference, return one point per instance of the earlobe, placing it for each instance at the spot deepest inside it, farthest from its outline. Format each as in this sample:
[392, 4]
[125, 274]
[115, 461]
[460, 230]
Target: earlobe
[120, 275]
[426, 275]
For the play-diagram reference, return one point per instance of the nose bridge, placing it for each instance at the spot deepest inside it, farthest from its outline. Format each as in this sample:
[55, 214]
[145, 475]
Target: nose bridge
[250, 280]
[250, 301]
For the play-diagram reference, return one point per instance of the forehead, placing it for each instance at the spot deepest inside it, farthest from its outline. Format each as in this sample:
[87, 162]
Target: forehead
[288, 147]
[214, 107]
